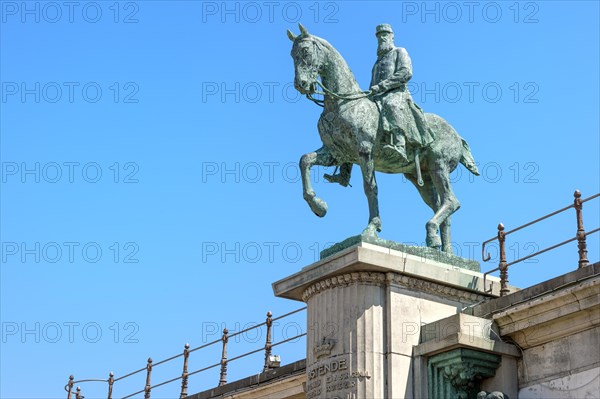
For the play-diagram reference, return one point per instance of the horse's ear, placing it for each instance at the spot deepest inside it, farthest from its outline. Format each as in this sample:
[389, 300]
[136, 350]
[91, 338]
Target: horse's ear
[303, 30]
[291, 35]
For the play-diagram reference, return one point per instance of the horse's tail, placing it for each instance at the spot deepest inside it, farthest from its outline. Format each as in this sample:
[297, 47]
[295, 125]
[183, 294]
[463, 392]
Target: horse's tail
[467, 159]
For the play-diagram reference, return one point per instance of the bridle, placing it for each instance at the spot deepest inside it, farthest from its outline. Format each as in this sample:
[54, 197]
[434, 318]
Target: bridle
[327, 91]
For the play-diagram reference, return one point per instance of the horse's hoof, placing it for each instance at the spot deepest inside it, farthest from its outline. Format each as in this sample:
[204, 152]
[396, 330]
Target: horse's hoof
[434, 241]
[376, 222]
[369, 231]
[318, 206]
[448, 249]
[372, 228]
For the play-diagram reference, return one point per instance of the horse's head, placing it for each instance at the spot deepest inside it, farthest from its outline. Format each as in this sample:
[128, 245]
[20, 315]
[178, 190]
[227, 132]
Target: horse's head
[308, 60]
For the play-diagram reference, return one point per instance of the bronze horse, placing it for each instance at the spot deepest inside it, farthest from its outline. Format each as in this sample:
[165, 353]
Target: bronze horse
[350, 132]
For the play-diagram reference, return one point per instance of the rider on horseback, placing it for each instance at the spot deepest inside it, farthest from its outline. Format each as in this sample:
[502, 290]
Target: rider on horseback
[401, 118]
[351, 132]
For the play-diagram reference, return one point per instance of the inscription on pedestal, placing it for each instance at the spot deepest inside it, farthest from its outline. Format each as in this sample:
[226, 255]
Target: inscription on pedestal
[313, 389]
[341, 381]
[327, 366]
[332, 379]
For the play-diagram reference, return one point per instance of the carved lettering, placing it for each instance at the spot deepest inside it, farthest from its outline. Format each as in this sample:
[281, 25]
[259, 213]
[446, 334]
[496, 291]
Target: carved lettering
[334, 366]
[323, 369]
[361, 374]
[338, 376]
[313, 384]
[313, 394]
[339, 385]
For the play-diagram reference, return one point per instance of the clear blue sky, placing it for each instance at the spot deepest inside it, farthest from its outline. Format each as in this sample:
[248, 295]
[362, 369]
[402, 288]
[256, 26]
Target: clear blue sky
[149, 151]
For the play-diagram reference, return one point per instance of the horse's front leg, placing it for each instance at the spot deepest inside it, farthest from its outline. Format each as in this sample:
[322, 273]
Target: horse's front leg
[322, 157]
[367, 166]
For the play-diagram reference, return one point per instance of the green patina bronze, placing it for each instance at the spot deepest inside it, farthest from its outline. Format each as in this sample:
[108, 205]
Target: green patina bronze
[399, 139]
[459, 372]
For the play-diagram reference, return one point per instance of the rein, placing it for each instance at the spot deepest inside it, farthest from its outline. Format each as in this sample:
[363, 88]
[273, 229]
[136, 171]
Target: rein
[327, 91]
[320, 103]
[362, 94]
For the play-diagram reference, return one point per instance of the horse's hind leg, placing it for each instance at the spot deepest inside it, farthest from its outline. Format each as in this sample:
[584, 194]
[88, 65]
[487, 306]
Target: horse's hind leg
[445, 233]
[429, 196]
[322, 157]
[448, 205]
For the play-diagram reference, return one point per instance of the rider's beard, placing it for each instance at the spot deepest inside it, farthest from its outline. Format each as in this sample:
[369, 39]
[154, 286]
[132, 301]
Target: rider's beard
[384, 47]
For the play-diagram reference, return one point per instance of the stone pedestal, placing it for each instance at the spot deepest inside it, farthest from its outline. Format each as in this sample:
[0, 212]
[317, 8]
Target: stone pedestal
[367, 305]
[346, 340]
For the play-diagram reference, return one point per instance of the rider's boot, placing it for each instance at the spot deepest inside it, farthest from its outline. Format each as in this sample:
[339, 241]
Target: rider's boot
[336, 178]
[342, 178]
[398, 149]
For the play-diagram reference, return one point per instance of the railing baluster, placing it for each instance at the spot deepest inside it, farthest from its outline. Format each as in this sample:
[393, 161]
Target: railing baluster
[111, 381]
[223, 377]
[268, 344]
[269, 364]
[502, 266]
[184, 374]
[581, 239]
[148, 373]
[70, 385]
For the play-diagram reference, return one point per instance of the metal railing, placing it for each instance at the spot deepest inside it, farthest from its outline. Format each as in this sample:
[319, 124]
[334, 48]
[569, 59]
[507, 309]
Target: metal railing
[185, 374]
[501, 237]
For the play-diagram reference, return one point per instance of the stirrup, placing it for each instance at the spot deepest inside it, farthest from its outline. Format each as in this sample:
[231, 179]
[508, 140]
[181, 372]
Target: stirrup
[400, 152]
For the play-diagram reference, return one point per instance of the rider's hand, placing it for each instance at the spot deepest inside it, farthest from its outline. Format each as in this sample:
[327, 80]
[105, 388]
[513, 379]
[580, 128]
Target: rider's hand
[375, 90]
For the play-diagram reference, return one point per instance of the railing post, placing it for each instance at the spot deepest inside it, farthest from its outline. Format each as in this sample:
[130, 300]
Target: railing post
[184, 374]
[581, 244]
[268, 344]
[70, 385]
[503, 265]
[111, 381]
[148, 373]
[223, 377]
[78, 393]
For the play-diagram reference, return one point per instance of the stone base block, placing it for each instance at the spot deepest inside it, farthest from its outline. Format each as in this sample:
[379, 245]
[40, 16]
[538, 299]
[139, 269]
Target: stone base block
[367, 307]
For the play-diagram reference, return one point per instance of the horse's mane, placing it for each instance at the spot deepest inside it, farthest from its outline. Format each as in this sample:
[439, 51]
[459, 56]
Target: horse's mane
[325, 46]
[322, 43]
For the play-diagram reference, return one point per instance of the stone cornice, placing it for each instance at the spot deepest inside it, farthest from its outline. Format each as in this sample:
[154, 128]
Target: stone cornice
[434, 288]
[344, 280]
[553, 315]
[374, 259]
[376, 278]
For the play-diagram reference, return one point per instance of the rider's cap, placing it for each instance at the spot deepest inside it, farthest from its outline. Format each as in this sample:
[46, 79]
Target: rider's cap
[383, 28]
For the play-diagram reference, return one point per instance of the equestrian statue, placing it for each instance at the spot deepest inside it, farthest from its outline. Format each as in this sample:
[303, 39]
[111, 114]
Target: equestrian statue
[381, 129]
